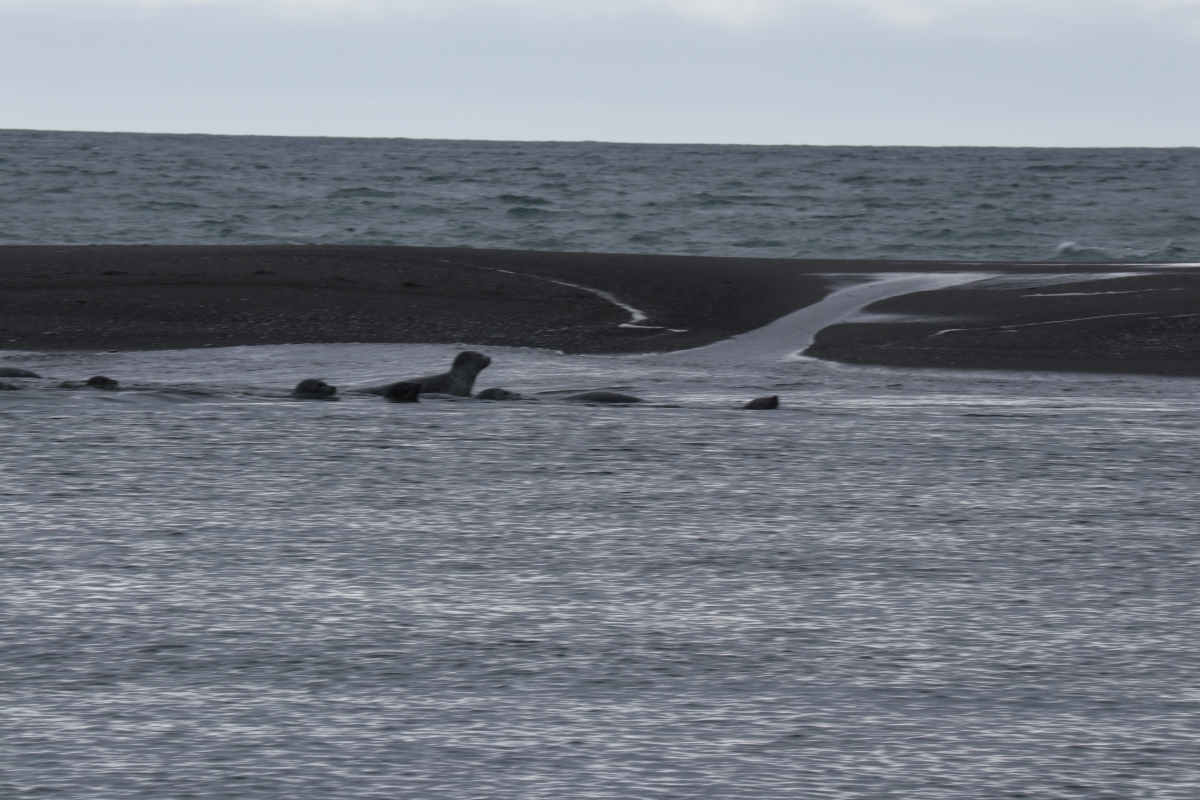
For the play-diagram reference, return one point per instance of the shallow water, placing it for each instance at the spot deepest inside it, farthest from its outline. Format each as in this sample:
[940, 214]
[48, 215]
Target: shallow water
[975, 204]
[902, 584]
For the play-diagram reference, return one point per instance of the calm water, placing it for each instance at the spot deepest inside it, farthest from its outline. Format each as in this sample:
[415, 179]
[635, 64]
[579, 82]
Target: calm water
[995, 204]
[902, 584]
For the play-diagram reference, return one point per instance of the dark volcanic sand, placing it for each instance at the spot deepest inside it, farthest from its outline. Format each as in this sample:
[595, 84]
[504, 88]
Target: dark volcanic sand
[156, 297]
[1141, 324]
[159, 297]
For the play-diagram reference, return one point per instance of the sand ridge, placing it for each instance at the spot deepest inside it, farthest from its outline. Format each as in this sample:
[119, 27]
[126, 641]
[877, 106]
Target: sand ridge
[1092, 317]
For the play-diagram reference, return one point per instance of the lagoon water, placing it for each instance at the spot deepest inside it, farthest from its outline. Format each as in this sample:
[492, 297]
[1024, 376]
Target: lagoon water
[905, 584]
[902, 584]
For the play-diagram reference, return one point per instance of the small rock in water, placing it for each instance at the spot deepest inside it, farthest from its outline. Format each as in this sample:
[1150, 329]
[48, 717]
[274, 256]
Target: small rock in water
[761, 403]
[8, 387]
[13, 372]
[102, 382]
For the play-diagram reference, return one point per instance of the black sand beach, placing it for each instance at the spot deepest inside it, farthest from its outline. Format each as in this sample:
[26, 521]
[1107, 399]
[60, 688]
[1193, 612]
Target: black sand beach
[1148, 323]
[167, 297]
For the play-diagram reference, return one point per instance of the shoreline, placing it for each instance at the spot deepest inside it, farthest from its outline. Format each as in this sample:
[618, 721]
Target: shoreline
[1067, 317]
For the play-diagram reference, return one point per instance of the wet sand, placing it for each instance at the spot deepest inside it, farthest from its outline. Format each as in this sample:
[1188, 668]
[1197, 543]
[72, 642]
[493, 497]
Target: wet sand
[167, 297]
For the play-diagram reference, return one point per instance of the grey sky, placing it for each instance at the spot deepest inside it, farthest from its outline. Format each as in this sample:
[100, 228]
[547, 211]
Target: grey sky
[928, 72]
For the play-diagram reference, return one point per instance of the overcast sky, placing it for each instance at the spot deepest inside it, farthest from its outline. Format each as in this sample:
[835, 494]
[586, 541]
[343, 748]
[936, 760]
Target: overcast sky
[923, 72]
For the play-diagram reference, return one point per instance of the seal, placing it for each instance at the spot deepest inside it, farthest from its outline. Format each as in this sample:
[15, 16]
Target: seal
[13, 372]
[497, 394]
[763, 403]
[314, 389]
[101, 382]
[459, 381]
[403, 392]
[604, 397]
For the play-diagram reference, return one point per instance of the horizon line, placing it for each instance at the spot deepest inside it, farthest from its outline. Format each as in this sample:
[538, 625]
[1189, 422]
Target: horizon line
[597, 141]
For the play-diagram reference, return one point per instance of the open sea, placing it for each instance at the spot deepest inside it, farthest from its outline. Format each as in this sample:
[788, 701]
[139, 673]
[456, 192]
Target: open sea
[901, 585]
[949, 203]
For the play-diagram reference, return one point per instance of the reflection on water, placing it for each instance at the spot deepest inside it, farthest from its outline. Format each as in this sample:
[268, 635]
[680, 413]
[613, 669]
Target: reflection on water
[900, 585]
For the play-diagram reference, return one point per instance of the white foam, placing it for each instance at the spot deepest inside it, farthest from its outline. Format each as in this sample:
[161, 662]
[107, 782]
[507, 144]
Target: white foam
[636, 315]
[1023, 281]
[1091, 294]
[1048, 322]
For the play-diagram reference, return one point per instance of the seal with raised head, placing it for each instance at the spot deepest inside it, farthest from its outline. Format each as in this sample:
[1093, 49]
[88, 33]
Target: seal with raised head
[604, 397]
[13, 372]
[459, 381]
[497, 394]
[763, 403]
[403, 392]
[314, 389]
[101, 382]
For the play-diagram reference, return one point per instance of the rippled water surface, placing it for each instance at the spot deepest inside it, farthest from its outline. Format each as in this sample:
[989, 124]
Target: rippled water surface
[910, 585]
[899, 585]
[989, 204]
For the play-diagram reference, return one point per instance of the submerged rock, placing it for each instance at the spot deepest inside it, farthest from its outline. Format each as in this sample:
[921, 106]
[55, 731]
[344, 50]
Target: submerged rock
[604, 397]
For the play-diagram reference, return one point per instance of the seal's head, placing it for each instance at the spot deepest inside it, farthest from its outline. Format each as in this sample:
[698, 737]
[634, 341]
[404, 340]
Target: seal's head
[101, 382]
[763, 403]
[313, 389]
[403, 392]
[497, 394]
[470, 362]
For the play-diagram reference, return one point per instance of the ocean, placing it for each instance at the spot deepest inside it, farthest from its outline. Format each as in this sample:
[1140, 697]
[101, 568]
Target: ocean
[946, 203]
[909, 584]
